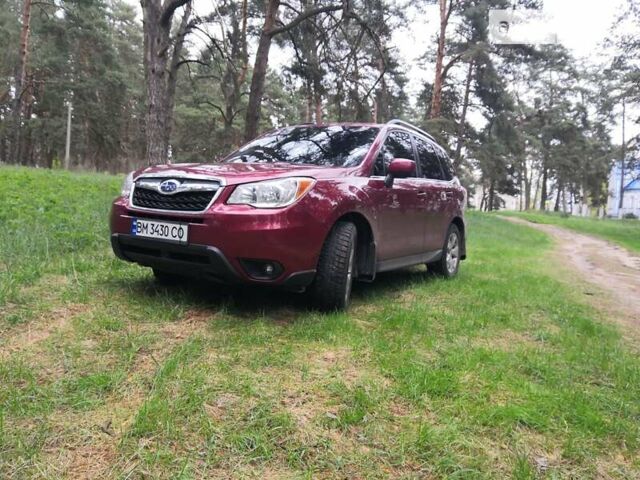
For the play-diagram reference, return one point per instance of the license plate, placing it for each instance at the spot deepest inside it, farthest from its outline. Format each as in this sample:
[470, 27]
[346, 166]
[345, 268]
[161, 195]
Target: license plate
[174, 232]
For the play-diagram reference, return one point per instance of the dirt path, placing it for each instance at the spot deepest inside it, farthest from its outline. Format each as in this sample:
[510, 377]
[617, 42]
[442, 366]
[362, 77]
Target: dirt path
[611, 274]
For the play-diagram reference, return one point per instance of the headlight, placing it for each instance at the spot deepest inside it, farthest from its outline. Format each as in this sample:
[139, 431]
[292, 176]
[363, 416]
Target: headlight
[271, 193]
[127, 185]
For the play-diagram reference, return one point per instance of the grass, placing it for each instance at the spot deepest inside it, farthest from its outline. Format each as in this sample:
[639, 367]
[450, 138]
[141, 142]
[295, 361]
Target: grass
[503, 372]
[622, 232]
[47, 217]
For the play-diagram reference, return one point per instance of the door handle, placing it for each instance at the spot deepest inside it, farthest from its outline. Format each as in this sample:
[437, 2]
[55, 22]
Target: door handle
[422, 194]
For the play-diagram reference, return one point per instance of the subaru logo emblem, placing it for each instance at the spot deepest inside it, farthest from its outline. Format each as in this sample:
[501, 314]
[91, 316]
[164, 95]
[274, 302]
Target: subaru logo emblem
[169, 186]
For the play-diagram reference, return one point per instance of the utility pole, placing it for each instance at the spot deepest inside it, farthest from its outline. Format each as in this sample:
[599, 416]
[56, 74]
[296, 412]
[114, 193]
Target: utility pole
[67, 150]
[624, 154]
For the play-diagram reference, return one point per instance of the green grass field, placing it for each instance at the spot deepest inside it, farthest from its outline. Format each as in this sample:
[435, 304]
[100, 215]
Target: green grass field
[503, 372]
[622, 232]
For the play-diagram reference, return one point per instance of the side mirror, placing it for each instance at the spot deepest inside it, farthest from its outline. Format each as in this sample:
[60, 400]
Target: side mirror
[399, 168]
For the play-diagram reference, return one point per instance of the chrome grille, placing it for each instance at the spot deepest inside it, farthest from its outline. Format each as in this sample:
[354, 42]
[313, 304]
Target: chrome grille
[190, 195]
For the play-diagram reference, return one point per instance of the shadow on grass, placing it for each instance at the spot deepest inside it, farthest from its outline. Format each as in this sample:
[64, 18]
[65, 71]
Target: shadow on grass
[249, 302]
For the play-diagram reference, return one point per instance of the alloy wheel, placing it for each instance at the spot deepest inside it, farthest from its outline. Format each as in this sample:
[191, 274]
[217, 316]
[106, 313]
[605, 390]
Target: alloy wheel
[453, 253]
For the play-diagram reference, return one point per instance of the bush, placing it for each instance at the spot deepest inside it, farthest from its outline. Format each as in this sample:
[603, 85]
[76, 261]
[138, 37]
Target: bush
[630, 216]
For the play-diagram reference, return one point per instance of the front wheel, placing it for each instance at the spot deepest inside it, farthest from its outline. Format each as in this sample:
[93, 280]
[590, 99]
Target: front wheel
[331, 290]
[449, 262]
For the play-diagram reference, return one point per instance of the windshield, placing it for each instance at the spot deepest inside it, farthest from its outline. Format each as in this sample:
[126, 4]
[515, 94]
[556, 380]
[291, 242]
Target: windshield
[323, 146]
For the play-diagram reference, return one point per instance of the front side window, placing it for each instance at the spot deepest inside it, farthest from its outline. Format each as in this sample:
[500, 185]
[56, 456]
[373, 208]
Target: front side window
[429, 161]
[322, 146]
[397, 145]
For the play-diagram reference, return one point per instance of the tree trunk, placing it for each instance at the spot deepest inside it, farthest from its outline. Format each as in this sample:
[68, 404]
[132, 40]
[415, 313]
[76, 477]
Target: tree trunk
[457, 161]
[543, 191]
[556, 206]
[318, 109]
[160, 76]
[233, 78]
[269, 31]
[436, 98]
[20, 80]
[527, 191]
[623, 154]
[381, 109]
[339, 98]
[314, 66]
[317, 86]
[245, 53]
[156, 45]
[362, 112]
[492, 196]
[309, 110]
[260, 71]
[172, 79]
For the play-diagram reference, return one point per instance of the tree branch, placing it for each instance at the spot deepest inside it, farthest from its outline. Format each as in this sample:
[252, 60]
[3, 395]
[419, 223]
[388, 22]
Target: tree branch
[191, 60]
[302, 17]
[212, 42]
[452, 5]
[287, 5]
[217, 107]
[450, 64]
[170, 6]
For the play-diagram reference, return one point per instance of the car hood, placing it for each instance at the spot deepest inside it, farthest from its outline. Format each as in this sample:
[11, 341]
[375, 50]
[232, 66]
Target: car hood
[236, 173]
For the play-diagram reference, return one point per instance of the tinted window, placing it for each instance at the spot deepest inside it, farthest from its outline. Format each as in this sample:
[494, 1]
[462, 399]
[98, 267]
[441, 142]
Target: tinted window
[445, 161]
[327, 146]
[429, 162]
[397, 145]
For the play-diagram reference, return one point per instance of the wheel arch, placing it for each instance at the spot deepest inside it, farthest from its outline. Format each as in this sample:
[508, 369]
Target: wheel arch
[366, 246]
[459, 222]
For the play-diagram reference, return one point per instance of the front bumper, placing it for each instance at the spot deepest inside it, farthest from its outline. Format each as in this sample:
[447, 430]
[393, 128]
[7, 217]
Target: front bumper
[196, 261]
[222, 239]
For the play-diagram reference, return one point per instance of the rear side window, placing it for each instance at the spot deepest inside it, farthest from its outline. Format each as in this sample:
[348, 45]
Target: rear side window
[445, 161]
[429, 161]
[397, 145]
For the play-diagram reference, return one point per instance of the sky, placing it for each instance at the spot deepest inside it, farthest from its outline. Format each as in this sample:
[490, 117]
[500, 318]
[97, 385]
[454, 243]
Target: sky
[581, 26]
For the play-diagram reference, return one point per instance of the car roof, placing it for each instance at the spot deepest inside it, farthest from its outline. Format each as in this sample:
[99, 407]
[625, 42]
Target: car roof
[337, 124]
[408, 127]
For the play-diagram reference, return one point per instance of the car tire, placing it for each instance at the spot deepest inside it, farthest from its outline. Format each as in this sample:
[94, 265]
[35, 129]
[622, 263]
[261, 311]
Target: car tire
[165, 278]
[331, 289]
[449, 262]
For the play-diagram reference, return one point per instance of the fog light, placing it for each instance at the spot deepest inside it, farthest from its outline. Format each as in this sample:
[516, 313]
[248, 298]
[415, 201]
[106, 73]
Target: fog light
[261, 269]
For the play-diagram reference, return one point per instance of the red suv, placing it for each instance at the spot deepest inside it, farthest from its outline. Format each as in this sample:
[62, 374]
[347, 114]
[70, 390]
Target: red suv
[306, 207]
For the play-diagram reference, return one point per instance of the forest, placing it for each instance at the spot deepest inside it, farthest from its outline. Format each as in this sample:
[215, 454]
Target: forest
[163, 82]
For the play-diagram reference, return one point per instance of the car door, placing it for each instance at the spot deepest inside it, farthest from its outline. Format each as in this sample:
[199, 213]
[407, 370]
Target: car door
[435, 197]
[398, 208]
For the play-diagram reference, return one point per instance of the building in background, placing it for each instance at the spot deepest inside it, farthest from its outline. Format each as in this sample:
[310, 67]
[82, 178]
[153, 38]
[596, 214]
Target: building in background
[631, 197]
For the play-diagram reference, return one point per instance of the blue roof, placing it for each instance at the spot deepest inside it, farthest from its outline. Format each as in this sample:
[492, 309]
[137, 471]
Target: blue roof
[633, 185]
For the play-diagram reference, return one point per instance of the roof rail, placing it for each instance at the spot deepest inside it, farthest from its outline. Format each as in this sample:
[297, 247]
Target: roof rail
[402, 123]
